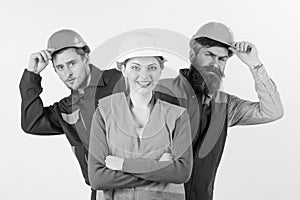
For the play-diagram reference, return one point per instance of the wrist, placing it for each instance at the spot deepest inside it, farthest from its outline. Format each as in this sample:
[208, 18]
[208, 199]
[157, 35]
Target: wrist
[255, 65]
[33, 70]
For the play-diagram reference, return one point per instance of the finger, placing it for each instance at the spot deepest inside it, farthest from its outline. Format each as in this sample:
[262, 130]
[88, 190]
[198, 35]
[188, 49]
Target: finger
[169, 158]
[249, 44]
[35, 55]
[249, 47]
[40, 58]
[233, 50]
[48, 53]
[240, 46]
[51, 50]
[44, 55]
[236, 45]
[245, 46]
[106, 158]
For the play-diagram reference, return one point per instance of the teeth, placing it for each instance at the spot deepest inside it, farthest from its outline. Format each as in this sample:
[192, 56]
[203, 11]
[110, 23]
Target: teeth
[144, 83]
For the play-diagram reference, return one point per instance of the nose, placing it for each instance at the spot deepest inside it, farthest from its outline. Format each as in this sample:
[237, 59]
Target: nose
[69, 72]
[144, 73]
[215, 62]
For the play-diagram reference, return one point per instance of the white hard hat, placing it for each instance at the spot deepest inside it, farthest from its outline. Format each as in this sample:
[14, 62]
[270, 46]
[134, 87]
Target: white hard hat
[138, 45]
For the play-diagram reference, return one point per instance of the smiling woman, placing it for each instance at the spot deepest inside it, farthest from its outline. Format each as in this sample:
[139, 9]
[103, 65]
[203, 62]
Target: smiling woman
[142, 73]
[140, 146]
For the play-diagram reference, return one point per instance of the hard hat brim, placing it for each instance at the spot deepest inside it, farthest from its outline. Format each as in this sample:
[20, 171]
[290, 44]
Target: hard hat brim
[142, 52]
[68, 46]
[212, 38]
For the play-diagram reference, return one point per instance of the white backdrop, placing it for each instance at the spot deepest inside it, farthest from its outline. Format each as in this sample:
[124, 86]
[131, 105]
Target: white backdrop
[260, 162]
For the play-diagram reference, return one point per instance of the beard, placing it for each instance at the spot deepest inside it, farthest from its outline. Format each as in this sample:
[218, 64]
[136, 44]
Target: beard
[206, 80]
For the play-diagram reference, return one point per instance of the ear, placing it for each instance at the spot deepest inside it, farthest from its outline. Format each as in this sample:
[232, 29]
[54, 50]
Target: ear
[52, 62]
[192, 54]
[87, 58]
[123, 70]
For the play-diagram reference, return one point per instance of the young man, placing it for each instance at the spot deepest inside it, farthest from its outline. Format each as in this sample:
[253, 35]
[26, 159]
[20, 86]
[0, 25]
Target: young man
[212, 111]
[71, 115]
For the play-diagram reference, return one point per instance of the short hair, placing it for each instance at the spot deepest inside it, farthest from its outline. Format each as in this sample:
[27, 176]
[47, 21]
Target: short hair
[160, 60]
[81, 51]
[207, 42]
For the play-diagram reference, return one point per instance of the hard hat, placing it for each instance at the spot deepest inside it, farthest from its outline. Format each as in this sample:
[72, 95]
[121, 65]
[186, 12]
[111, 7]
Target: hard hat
[66, 38]
[215, 31]
[139, 44]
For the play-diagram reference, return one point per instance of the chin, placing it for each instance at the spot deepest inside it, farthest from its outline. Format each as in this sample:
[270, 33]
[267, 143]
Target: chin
[144, 91]
[72, 87]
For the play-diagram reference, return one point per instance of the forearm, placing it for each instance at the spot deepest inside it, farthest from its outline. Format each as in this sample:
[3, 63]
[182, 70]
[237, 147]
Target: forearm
[36, 119]
[103, 178]
[161, 171]
[269, 98]
[267, 109]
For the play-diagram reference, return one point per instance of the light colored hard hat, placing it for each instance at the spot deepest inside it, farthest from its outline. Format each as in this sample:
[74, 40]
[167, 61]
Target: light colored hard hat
[215, 31]
[66, 38]
[138, 45]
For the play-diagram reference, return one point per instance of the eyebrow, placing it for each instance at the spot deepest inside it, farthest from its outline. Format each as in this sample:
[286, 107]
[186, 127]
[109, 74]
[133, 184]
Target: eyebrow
[141, 65]
[70, 61]
[135, 64]
[66, 63]
[216, 55]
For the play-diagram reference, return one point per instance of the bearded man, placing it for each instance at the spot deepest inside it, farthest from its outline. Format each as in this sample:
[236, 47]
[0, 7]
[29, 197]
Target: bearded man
[212, 111]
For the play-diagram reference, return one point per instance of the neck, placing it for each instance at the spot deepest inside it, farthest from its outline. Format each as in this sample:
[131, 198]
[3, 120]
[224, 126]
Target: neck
[141, 100]
[85, 83]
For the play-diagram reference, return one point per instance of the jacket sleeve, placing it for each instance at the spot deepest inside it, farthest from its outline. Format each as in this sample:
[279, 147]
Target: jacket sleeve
[36, 119]
[176, 171]
[101, 177]
[268, 109]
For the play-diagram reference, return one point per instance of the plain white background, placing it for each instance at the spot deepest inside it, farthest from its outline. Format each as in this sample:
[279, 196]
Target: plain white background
[260, 162]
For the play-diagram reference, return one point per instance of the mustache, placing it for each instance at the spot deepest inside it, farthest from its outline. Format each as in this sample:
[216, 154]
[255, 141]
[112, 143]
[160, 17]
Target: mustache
[210, 68]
